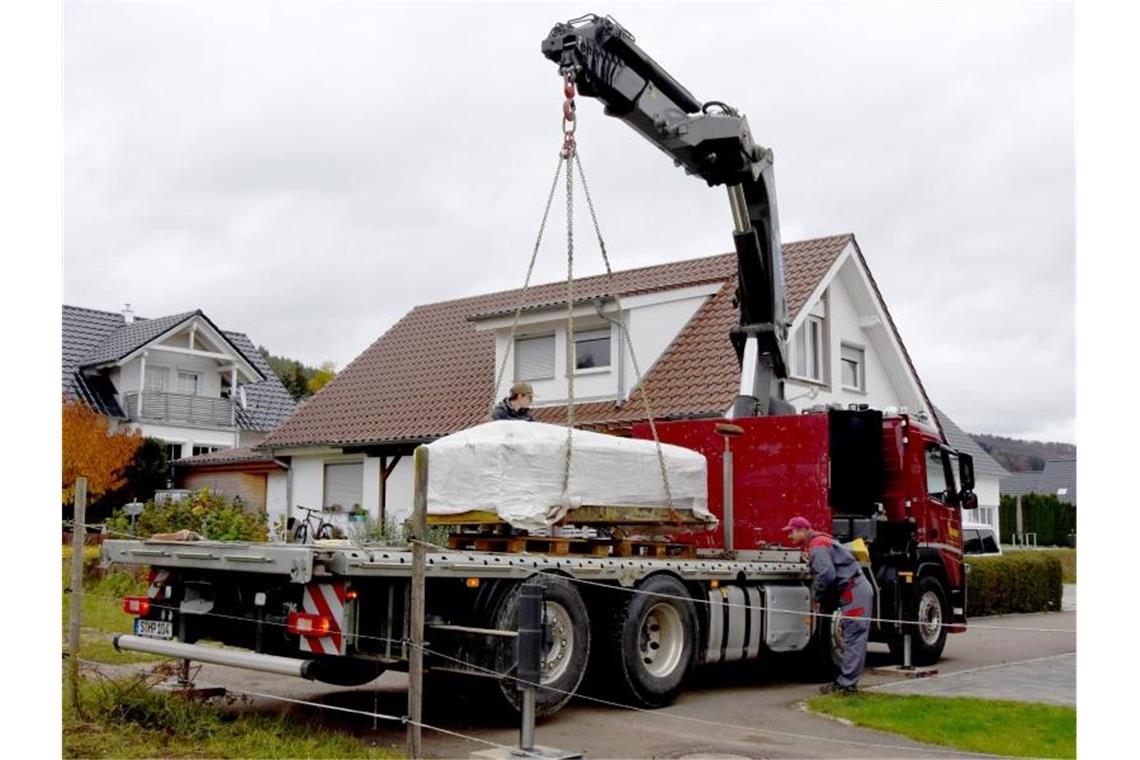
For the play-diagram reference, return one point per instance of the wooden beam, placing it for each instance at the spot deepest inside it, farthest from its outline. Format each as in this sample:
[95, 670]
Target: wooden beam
[192, 352]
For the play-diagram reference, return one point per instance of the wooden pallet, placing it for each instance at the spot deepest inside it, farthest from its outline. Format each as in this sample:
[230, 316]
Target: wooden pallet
[562, 546]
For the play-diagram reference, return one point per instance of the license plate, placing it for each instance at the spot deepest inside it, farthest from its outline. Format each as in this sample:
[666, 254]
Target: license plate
[154, 629]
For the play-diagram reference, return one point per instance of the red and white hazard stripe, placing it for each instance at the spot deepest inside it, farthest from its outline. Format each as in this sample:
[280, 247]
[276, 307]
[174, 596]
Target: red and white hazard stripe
[327, 601]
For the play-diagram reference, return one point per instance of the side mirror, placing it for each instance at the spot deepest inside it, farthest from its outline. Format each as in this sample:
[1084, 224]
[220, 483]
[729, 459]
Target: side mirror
[966, 471]
[968, 500]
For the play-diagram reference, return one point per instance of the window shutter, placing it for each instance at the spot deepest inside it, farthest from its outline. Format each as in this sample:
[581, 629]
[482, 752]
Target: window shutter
[344, 484]
[534, 358]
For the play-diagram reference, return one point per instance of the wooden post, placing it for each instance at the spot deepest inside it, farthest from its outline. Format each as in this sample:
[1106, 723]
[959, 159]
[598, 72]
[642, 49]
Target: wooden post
[78, 531]
[1020, 525]
[416, 614]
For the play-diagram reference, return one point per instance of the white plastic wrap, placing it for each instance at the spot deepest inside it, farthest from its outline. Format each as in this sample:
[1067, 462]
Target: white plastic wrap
[515, 469]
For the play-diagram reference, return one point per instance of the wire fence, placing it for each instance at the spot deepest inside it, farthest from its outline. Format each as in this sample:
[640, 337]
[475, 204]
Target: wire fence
[655, 713]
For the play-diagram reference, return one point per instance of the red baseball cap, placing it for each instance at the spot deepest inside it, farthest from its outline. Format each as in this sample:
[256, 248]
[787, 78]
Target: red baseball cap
[797, 522]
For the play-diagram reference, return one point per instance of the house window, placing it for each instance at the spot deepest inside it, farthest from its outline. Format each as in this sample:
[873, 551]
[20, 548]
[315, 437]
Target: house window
[156, 379]
[344, 485]
[204, 450]
[592, 349]
[852, 361]
[809, 349]
[188, 383]
[173, 451]
[534, 358]
[986, 515]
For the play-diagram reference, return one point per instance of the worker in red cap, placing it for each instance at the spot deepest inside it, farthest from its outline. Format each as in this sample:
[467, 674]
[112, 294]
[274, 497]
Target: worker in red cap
[837, 580]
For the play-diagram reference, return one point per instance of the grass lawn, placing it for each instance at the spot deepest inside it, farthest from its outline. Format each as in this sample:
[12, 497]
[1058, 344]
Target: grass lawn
[101, 613]
[977, 725]
[125, 719]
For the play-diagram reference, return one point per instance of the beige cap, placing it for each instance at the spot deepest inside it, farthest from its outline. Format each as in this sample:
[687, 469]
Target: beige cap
[522, 389]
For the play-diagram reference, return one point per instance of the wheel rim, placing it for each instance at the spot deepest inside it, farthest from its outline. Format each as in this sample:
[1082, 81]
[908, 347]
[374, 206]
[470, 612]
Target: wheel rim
[929, 618]
[837, 643]
[661, 640]
[556, 657]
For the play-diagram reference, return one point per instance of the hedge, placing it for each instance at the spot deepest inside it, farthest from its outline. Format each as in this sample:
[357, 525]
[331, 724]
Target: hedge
[1044, 514]
[1019, 582]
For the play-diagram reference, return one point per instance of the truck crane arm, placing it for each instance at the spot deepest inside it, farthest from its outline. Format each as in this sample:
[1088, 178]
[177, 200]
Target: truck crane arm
[712, 141]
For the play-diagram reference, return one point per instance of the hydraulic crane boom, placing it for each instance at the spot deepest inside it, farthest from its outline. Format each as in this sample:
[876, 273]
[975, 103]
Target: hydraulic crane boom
[712, 141]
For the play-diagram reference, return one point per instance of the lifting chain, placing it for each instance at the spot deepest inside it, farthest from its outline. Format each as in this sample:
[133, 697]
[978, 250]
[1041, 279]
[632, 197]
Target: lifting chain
[568, 156]
[569, 117]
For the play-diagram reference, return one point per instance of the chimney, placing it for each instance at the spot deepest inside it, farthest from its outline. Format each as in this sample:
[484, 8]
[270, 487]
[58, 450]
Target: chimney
[128, 315]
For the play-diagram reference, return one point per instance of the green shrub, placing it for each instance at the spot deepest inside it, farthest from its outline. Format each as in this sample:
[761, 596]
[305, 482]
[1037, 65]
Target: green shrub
[1018, 582]
[209, 514]
[1054, 521]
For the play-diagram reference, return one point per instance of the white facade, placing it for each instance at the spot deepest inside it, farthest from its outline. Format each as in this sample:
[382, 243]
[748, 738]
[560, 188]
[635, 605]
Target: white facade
[192, 366]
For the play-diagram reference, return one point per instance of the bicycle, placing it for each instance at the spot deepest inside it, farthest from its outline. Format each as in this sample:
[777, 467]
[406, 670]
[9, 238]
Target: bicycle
[302, 528]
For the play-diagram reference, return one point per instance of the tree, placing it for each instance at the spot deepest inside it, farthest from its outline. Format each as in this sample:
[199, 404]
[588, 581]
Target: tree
[299, 379]
[321, 377]
[92, 450]
[148, 471]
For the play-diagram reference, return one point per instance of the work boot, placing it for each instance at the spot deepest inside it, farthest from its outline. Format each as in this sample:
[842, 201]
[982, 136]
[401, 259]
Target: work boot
[834, 688]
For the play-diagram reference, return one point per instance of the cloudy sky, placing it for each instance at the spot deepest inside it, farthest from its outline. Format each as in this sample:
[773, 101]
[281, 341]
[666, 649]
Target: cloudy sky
[309, 173]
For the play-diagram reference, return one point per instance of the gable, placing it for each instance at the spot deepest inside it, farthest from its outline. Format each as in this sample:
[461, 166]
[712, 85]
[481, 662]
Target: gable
[91, 338]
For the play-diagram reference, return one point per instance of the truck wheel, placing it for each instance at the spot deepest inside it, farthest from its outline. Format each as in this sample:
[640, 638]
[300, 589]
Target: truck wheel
[929, 635]
[565, 654]
[651, 641]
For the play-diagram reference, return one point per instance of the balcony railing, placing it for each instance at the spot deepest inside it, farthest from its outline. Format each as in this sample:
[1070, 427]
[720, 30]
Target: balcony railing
[180, 407]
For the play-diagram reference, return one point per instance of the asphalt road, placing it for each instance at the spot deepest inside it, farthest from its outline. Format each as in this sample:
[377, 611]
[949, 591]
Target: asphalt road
[751, 713]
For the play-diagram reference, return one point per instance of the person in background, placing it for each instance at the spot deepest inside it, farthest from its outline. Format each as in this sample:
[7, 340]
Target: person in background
[516, 406]
[837, 577]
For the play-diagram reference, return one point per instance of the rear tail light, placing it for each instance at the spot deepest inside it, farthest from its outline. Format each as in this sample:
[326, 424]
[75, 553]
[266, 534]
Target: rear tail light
[136, 605]
[304, 624]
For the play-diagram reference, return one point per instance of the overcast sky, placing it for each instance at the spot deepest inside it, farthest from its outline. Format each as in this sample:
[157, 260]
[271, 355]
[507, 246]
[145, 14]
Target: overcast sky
[308, 173]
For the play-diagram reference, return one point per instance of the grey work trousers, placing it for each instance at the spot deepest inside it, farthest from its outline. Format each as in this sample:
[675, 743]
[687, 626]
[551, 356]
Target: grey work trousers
[857, 601]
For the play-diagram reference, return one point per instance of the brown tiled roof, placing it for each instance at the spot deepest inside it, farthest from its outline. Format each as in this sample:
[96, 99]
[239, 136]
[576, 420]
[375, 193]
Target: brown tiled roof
[225, 456]
[433, 373]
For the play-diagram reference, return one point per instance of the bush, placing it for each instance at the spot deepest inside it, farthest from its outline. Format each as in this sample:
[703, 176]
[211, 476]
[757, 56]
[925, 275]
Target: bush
[1019, 582]
[208, 514]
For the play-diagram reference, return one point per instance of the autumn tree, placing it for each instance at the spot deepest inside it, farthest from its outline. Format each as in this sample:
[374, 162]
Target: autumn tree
[321, 377]
[92, 450]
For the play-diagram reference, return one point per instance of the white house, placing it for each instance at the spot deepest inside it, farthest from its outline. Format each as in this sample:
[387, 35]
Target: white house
[177, 378]
[435, 371]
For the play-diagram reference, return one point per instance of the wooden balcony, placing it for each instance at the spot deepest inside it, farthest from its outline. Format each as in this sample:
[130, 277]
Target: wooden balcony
[180, 408]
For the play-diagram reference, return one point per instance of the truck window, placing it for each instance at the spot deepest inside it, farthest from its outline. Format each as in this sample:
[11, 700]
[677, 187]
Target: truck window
[971, 542]
[935, 473]
[989, 545]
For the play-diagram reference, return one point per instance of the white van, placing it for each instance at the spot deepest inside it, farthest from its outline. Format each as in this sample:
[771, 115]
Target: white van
[978, 540]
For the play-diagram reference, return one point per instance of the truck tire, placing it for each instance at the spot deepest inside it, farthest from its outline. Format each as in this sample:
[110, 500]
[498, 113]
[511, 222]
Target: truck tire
[651, 641]
[929, 635]
[565, 655]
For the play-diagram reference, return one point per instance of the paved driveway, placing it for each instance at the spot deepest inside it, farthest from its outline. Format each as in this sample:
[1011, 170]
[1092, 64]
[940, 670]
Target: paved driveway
[752, 713]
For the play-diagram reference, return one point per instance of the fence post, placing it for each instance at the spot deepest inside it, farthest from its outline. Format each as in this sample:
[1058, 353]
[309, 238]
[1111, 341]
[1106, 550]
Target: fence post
[416, 614]
[78, 533]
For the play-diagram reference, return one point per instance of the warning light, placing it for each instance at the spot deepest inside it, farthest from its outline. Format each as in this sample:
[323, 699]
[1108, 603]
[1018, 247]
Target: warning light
[714, 584]
[304, 624]
[350, 595]
[136, 605]
[472, 583]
